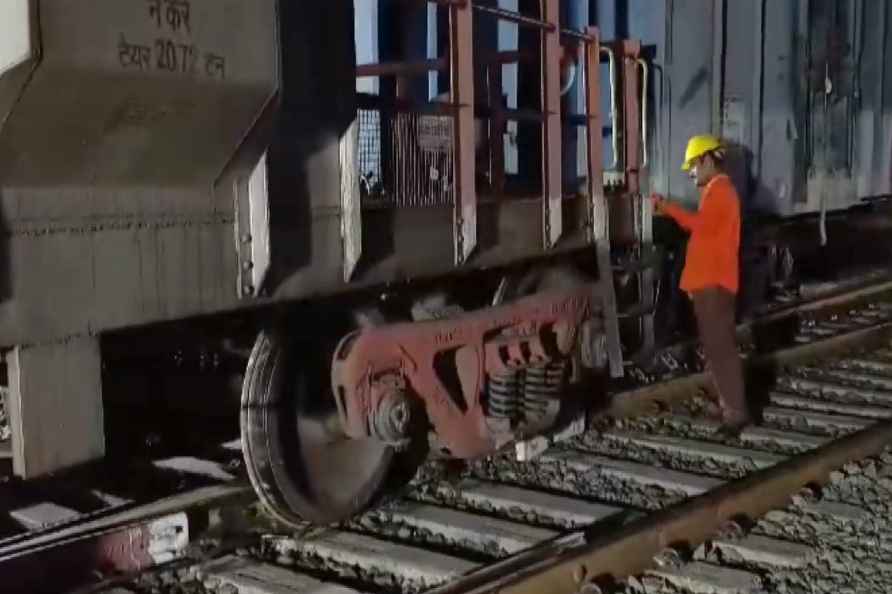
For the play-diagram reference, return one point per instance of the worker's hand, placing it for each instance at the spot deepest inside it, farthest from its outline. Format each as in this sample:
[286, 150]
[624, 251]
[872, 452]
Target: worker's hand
[657, 201]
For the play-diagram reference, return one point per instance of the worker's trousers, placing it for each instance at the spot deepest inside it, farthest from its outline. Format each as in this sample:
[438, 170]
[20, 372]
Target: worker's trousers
[715, 309]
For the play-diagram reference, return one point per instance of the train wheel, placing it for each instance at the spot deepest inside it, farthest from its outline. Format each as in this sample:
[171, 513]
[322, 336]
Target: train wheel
[300, 463]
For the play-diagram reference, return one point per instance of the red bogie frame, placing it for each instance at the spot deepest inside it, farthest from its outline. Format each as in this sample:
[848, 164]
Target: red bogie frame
[444, 364]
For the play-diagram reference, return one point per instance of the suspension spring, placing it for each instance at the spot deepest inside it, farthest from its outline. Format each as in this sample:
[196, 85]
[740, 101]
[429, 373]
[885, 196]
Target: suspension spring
[504, 395]
[541, 388]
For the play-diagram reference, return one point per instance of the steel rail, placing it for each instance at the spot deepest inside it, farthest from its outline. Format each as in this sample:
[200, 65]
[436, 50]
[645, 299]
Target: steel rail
[834, 298]
[120, 542]
[569, 564]
[632, 402]
[698, 380]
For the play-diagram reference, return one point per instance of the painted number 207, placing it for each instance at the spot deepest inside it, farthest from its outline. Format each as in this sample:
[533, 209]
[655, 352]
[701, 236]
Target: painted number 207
[175, 57]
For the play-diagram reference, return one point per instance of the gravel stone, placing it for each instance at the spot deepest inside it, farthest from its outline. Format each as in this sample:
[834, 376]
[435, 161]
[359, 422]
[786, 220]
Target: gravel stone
[185, 574]
[211, 583]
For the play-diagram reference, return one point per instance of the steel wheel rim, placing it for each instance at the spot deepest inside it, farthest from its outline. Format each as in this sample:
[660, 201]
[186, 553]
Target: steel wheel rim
[300, 466]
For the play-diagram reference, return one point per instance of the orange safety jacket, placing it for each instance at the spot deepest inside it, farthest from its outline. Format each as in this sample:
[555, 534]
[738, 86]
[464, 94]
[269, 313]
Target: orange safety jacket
[712, 256]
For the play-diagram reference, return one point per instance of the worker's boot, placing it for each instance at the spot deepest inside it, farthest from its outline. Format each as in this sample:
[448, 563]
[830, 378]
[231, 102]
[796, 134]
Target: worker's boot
[713, 411]
[733, 422]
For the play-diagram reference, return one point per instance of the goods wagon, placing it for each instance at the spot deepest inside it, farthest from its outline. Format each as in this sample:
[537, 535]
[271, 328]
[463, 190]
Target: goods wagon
[417, 208]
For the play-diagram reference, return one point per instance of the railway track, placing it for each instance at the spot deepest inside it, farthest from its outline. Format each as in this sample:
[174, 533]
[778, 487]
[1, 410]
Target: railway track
[456, 530]
[52, 504]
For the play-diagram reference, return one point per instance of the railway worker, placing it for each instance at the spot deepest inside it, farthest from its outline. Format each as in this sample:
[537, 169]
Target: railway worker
[711, 272]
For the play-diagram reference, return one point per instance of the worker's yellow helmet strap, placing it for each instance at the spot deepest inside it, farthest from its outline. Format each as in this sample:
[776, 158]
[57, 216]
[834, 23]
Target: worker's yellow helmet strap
[697, 147]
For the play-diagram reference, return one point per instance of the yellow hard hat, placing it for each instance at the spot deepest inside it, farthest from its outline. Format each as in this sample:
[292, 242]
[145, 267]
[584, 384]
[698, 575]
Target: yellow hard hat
[697, 147]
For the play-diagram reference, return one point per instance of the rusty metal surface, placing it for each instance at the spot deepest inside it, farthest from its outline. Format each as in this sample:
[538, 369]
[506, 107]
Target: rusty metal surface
[445, 364]
[461, 47]
[401, 68]
[626, 185]
[628, 53]
[599, 217]
[545, 24]
[552, 224]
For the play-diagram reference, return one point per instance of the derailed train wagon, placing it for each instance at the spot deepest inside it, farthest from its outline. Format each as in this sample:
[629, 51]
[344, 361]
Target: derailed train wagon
[164, 160]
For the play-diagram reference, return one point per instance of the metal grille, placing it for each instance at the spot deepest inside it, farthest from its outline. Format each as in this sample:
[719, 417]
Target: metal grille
[370, 178]
[405, 158]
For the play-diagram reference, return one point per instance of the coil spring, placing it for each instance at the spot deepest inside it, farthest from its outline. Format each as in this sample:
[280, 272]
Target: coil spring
[504, 395]
[542, 386]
